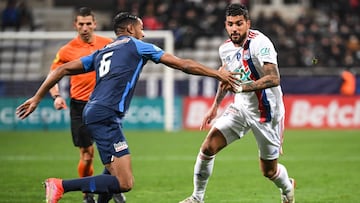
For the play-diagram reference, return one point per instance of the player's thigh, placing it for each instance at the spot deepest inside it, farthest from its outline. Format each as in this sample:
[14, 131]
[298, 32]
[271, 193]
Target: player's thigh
[109, 138]
[268, 137]
[232, 124]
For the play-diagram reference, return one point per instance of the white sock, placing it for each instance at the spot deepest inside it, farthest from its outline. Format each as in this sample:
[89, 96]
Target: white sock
[202, 171]
[281, 179]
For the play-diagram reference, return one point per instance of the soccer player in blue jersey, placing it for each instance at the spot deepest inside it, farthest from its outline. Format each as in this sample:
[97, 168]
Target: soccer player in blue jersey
[117, 66]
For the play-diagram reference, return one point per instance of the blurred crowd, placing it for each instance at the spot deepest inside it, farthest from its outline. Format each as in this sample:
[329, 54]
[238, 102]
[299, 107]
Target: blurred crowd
[326, 35]
[16, 15]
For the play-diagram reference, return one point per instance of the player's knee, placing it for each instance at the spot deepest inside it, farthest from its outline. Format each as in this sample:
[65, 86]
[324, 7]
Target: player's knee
[269, 173]
[209, 150]
[87, 155]
[126, 185]
[87, 158]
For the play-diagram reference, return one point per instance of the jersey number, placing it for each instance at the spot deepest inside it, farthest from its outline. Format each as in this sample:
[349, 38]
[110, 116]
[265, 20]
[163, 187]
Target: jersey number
[105, 64]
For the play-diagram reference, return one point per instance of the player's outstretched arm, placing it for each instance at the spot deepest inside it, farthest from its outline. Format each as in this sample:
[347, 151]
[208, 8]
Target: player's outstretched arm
[192, 67]
[70, 68]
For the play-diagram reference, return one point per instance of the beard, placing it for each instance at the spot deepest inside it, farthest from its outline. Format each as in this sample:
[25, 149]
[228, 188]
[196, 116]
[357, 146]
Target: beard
[238, 38]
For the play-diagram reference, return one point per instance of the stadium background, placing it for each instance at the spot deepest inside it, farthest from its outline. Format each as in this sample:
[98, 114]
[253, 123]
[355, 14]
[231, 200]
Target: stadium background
[324, 162]
[302, 30]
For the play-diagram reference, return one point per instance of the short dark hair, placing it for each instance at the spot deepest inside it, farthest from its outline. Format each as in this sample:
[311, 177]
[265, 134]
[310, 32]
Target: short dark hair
[84, 11]
[237, 10]
[122, 20]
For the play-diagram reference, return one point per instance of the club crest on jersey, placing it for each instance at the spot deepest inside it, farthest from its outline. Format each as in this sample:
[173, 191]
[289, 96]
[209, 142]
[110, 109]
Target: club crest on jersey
[238, 56]
[120, 146]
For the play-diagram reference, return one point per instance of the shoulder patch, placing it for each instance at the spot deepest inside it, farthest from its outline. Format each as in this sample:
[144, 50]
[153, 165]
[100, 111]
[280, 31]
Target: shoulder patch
[265, 51]
[57, 58]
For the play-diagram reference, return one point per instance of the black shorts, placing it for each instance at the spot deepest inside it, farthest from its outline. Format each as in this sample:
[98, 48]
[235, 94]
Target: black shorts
[80, 135]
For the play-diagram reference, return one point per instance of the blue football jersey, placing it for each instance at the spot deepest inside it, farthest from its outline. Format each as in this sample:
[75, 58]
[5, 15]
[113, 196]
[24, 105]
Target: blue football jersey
[118, 66]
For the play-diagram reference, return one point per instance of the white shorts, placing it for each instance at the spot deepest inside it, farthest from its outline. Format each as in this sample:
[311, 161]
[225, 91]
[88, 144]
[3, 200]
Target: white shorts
[235, 123]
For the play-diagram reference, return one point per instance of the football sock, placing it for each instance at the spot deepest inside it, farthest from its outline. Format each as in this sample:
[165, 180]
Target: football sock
[105, 171]
[281, 179]
[93, 184]
[84, 169]
[104, 197]
[202, 171]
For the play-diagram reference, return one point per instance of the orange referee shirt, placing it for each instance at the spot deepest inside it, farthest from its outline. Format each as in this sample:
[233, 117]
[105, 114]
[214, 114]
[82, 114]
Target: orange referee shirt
[81, 85]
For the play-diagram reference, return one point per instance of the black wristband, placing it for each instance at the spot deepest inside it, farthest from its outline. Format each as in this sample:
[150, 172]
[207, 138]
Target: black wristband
[56, 96]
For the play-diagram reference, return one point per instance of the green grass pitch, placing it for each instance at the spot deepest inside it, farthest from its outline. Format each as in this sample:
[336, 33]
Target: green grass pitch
[326, 165]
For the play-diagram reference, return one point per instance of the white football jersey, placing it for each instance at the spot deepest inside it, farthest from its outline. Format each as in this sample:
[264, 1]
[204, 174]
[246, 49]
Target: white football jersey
[264, 105]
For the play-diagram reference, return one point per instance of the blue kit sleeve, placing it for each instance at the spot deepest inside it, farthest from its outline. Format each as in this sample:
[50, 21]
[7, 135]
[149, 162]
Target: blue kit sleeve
[87, 62]
[149, 51]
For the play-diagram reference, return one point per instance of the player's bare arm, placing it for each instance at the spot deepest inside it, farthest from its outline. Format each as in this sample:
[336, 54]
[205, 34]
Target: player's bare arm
[194, 68]
[271, 78]
[71, 68]
[211, 114]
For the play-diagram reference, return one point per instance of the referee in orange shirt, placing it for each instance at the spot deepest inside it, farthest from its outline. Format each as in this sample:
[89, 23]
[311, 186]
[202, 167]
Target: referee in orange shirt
[81, 87]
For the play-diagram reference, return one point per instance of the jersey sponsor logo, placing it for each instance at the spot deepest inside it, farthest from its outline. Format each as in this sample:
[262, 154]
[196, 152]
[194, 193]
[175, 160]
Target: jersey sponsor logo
[244, 74]
[120, 146]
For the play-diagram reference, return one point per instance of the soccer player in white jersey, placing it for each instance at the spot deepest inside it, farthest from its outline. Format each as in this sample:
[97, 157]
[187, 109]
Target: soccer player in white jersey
[257, 106]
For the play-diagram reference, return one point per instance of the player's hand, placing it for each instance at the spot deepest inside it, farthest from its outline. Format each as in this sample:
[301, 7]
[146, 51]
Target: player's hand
[25, 109]
[60, 103]
[227, 87]
[211, 114]
[228, 78]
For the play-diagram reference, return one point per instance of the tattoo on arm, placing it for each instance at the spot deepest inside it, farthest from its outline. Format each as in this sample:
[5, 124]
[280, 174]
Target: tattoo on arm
[271, 78]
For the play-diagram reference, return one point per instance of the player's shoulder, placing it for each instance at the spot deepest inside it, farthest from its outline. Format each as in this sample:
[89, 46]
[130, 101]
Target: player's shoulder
[226, 45]
[256, 35]
[257, 38]
[69, 45]
[66, 48]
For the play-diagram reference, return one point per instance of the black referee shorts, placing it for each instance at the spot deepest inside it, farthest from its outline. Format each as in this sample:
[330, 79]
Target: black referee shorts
[80, 135]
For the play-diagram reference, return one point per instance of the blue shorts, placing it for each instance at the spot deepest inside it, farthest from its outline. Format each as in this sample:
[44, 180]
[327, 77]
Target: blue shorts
[105, 126]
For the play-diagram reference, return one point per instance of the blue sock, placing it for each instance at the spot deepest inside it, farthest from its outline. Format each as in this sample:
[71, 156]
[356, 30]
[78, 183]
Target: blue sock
[104, 197]
[93, 184]
[105, 171]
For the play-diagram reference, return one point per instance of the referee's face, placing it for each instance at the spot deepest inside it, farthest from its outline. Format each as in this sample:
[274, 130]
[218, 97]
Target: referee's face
[237, 28]
[85, 26]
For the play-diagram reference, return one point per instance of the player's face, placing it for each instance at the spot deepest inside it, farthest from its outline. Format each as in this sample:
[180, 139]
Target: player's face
[237, 28]
[139, 30]
[85, 27]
